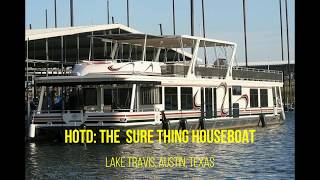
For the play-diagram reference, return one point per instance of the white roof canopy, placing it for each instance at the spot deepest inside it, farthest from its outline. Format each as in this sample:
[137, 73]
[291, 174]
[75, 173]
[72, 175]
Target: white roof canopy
[163, 41]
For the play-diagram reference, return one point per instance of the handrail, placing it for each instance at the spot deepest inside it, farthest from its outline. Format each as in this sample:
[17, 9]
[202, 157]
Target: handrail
[79, 111]
[256, 70]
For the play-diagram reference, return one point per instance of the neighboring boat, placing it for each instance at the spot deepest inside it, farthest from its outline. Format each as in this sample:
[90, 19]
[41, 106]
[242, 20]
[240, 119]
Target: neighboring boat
[132, 91]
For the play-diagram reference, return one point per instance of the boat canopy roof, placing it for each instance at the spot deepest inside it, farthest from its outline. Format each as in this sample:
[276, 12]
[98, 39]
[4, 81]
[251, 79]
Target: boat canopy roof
[166, 41]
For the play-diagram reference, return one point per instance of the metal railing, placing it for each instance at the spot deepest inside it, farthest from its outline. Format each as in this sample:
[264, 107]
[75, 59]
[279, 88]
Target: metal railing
[256, 70]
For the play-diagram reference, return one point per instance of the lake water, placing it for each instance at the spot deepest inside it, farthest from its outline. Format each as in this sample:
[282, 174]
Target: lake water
[271, 156]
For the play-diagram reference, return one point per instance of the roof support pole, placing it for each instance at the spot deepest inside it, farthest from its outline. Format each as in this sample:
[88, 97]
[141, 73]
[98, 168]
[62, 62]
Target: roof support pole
[133, 97]
[282, 109]
[27, 85]
[192, 17]
[160, 29]
[128, 13]
[55, 14]
[182, 51]
[46, 18]
[229, 72]
[108, 12]
[47, 56]
[192, 20]
[284, 88]
[173, 19]
[41, 98]
[100, 98]
[61, 55]
[191, 70]
[288, 49]
[130, 52]
[114, 49]
[105, 46]
[27, 61]
[71, 13]
[144, 48]
[78, 47]
[92, 46]
[204, 33]
[281, 31]
[245, 31]
[156, 59]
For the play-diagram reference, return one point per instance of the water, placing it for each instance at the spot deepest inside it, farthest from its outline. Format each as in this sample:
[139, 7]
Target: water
[270, 157]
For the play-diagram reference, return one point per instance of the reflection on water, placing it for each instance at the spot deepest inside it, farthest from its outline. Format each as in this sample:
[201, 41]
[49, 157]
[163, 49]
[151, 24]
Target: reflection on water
[270, 157]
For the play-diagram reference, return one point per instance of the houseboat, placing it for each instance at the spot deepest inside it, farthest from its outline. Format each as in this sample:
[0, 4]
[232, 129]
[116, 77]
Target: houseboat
[200, 87]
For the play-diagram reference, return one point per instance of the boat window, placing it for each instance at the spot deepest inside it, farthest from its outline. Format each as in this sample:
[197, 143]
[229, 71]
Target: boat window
[253, 97]
[171, 102]
[264, 97]
[123, 97]
[150, 95]
[117, 99]
[186, 98]
[90, 97]
[107, 96]
[236, 90]
[73, 98]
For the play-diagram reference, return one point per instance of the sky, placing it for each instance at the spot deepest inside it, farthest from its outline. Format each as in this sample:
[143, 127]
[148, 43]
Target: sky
[223, 20]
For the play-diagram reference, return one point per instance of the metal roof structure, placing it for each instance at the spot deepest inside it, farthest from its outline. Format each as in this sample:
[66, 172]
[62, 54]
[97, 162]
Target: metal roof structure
[48, 50]
[36, 34]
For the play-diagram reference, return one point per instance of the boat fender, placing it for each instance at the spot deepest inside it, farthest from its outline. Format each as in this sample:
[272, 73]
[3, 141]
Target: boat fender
[32, 131]
[183, 124]
[165, 125]
[165, 121]
[201, 123]
[262, 120]
[83, 126]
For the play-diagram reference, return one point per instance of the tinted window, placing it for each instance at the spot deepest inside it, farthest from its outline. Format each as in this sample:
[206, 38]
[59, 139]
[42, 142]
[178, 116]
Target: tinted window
[171, 102]
[150, 95]
[236, 90]
[90, 96]
[253, 97]
[107, 96]
[186, 98]
[263, 97]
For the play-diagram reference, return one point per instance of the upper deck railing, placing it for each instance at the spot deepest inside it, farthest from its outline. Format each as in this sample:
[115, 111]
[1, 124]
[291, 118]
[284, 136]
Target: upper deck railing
[214, 71]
